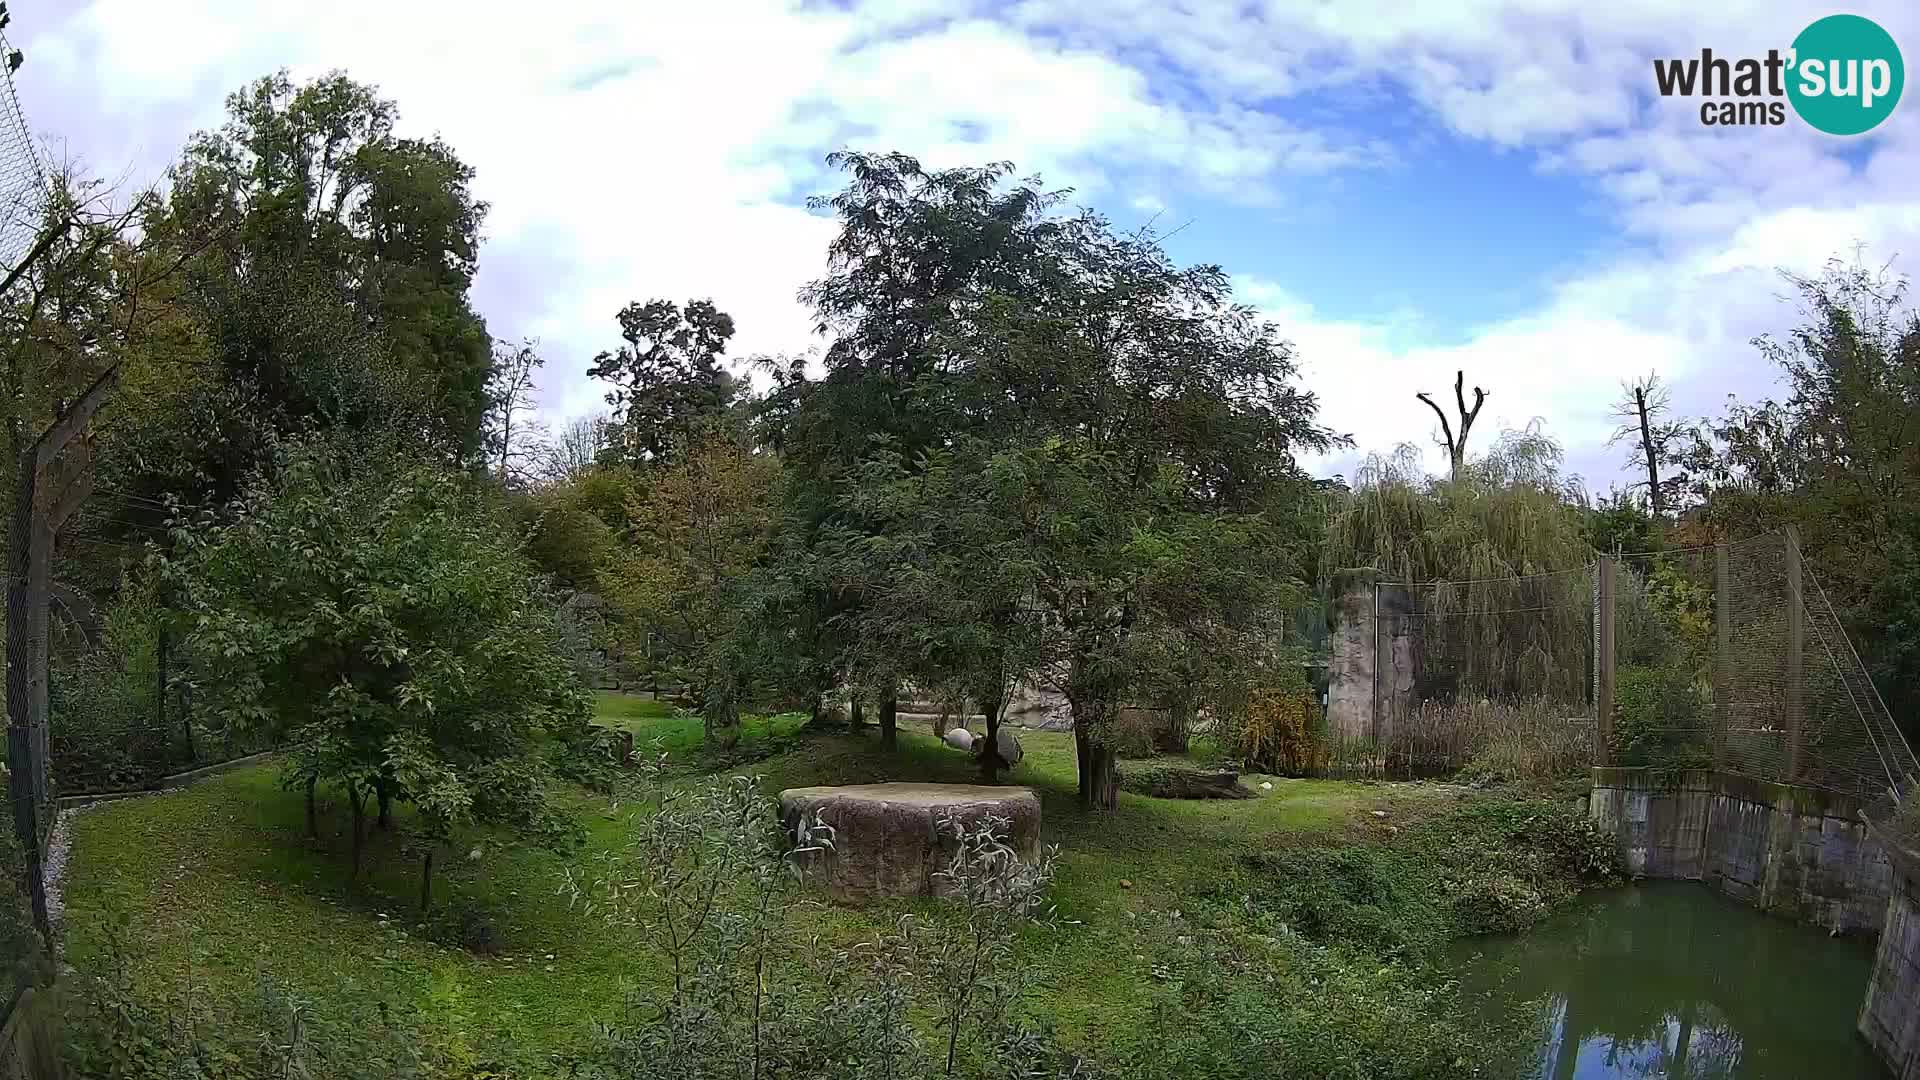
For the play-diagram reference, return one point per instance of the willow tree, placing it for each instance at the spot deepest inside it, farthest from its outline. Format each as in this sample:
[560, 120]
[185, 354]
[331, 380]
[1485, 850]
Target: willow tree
[1496, 561]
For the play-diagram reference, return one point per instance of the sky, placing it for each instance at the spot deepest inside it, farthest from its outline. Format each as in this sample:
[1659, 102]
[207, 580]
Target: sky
[1406, 188]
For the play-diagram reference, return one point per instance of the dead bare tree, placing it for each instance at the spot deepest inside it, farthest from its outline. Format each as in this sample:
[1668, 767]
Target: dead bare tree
[518, 442]
[1457, 447]
[1643, 411]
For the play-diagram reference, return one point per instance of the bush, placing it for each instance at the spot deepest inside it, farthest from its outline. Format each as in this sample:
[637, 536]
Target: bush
[710, 878]
[1284, 732]
[1659, 719]
[1489, 866]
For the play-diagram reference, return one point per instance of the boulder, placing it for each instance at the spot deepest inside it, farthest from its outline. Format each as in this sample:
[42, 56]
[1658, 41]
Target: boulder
[1007, 743]
[959, 738]
[888, 838]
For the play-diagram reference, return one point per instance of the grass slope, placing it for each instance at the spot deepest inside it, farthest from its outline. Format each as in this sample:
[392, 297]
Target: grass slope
[217, 884]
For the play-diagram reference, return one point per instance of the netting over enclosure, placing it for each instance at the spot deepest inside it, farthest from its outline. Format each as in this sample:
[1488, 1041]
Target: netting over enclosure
[23, 185]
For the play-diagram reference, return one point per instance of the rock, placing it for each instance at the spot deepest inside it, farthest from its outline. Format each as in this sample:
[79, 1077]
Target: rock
[1008, 744]
[959, 738]
[888, 839]
[1379, 813]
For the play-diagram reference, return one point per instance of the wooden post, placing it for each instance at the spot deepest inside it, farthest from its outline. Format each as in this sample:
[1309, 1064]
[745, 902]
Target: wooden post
[1722, 656]
[1796, 688]
[1603, 662]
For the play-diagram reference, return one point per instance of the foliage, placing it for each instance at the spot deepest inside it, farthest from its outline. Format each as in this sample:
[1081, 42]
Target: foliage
[1527, 739]
[1659, 719]
[1835, 458]
[668, 386]
[1128, 431]
[1284, 733]
[709, 877]
[310, 184]
[701, 526]
[1493, 865]
[364, 606]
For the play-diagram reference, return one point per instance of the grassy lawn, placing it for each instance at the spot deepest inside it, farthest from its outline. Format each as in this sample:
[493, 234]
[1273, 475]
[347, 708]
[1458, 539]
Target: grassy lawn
[218, 884]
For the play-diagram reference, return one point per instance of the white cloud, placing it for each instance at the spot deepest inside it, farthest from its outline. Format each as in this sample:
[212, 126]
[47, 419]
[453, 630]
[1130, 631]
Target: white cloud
[633, 150]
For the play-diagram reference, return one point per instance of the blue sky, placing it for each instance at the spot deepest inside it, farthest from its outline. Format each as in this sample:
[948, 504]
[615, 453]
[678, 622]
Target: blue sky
[1407, 188]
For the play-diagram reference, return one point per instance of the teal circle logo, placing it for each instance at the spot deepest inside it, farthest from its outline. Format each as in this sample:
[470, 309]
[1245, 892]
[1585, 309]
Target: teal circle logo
[1845, 75]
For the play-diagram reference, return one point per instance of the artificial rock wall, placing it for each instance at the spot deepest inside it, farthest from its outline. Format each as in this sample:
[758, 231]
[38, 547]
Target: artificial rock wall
[1370, 675]
[1793, 851]
[1890, 1016]
[1806, 854]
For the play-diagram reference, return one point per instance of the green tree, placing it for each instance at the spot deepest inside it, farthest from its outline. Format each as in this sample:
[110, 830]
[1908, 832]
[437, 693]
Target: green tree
[363, 606]
[918, 255]
[1132, 429]
[701, 525]
[668, 385]
[311, 193]
[1839, 458]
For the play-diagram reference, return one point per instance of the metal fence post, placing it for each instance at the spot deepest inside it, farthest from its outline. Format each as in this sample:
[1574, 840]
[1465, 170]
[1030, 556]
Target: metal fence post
[1603, 662]
[1796, 688]
[1722, 656]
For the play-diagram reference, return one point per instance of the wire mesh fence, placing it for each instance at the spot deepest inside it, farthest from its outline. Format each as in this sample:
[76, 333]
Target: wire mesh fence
[1722, 657]
[23, 182]
[1494, 668]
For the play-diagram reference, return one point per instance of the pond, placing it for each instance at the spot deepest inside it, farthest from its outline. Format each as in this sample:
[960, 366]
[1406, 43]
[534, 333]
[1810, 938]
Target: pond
[1670, 979]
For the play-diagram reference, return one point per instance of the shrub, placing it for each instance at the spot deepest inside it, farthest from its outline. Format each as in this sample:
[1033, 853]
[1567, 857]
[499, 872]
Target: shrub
[120, 1026]
[1283, 732]
[1659, 719]
[709, 877]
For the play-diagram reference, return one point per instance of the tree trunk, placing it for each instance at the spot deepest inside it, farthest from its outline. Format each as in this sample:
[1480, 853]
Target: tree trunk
[313, 819]
[1651, 451]
[889, 737]
[426, 883]
[723, 725]
[357, 799]
[990, 761]
[1175, 737]
[855, 714]
[385, 792]
[1099, 772]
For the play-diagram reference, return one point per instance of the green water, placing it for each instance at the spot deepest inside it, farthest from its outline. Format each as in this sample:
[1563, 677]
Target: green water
[1672, 980]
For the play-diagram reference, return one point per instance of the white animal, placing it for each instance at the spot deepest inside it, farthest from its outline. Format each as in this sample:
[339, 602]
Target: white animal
[959, 738]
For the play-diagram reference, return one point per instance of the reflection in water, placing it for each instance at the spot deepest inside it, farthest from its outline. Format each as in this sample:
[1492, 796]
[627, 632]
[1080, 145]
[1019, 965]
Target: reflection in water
[1670, 980]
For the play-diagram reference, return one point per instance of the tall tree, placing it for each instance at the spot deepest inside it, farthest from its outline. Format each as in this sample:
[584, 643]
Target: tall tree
[701, 526]
[1644, 411]
[1456, 445]
[1133, 430]
[577, 448]
[514, 440]
[668, 384]
[318, 196]
[918, 256]
[1839, 458]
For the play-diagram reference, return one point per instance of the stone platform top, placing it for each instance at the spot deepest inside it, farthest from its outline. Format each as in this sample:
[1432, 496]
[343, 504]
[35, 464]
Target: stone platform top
[888, 839]
[913, 794]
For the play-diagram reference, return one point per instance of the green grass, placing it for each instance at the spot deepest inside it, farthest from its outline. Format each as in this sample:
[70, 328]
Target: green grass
[219, 884]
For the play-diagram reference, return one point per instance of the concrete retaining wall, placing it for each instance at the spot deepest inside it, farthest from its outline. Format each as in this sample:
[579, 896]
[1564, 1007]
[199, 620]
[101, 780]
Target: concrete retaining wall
[1890, 1016]
[1793, 851]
